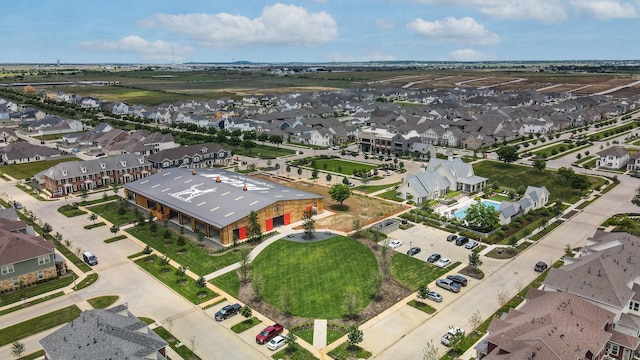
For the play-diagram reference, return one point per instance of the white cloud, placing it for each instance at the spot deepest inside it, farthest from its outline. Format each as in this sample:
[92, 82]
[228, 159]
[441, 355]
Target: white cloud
[143, 49]
[606, 9]
[542, 10]
[278, 24]
[384, 24]
[464, 30]
[467, 55]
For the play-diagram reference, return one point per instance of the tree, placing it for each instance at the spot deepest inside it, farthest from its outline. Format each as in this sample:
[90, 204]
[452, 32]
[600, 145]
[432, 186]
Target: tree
[328, 178]
[430, 352]
[246, 312]
[114, 187]
[308, 224]
[345, 181]
[482, 217]
[245, 263]
[503, 298]
[475, 320]
[285, 301]
[351, 301]
[299, 171]
[423, 293]
[276, 139]
[114, 229]
[153, 228]
[355, 336]
[291, 341]
[339, 193]
[474, 260]
[257, 285]
[580, 182]
[507, 154]
[17, 349]
[248, 144]
[376, 285]
[254, 232]
[566, 173]
[539, 164]
[84, 194]
[201, 236]
[46, 227]
[288, 169]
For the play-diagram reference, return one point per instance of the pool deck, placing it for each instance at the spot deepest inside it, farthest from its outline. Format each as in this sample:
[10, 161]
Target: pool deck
[462, 202]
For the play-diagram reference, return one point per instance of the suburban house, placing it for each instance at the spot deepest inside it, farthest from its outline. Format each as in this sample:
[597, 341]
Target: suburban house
[550, 325]
[24, 259]
[192, 156]
[439, 177]
[634, 161]
[24, 152]
[105, 334]
[614, 157]
[69, 177]
[606, 273]
[66, 126]
[7, 135]
[141, 142]
[533, 198]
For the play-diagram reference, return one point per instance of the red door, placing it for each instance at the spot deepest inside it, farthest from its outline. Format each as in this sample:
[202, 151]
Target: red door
[287, 218]
[269, 225]
[242, 233]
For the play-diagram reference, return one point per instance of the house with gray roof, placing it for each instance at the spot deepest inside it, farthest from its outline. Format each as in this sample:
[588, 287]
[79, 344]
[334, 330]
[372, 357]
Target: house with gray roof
[24, 259]
[439, 177]
[24, 152]
[606, 273]
[218, 203]
[7, 135]
[533, 198]
[69, 177]
[614, 157]
[191, 156]
[105, 334]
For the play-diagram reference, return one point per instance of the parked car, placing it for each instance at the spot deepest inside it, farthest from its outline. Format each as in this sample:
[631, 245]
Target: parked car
[472, 244]
[413, 251]
[446, 338]
[452, 237]
[100, 154]
[433, 258]
[434, 296]
[459, 279]
[227, 312]
[443, 263]
[269, 333]
[448, 284]
[461, 240]
[540, 266]
[276, 343]
[17, 205]
[395, 244]
[89, 258]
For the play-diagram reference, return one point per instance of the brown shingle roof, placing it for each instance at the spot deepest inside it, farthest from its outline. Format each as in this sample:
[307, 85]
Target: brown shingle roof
[18, 247]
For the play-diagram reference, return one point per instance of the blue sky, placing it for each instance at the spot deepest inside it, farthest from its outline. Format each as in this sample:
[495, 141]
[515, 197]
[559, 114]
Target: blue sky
[163, 31]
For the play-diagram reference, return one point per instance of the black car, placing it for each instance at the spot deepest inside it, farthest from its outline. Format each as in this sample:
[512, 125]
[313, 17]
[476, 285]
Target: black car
[414, 250]
[452, 237]
[459, 279]
[540, 266]
[462, 240]
[227, 312]
[433, 258]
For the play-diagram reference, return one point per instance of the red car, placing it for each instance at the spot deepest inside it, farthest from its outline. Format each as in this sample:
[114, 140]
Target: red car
[269, 333]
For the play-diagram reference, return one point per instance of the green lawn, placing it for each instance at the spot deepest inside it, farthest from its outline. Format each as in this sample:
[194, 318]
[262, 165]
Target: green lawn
[390, 195]
[412, 272]
[317, 274]
[194, 256]
[38, 324]
[298, 353]
[345, 352]
[368, 189]
[167, 274]
[265, 151]
[86, 282]
[94, 225]
[31, 303]
[116, 212]
[346, 167]
[25, 171]
[245, 325]
[515, 176]
[103, 302]
[70, 211]
[45, 287]
[559, 148]
[183, 350]
[229, 283]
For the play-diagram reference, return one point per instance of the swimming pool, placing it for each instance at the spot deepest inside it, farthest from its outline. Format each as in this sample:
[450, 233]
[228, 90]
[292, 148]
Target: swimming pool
[462, 212]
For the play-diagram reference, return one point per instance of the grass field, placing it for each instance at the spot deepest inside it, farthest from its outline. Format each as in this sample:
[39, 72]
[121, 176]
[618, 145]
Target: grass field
[229, 283]
[152, 264]
[413, 273]
[194, 256]
[45, 287]
[103, 302]
[342, 166]
[368, 189]
[516, 176]
[111, 212]
[70, 211]
[263, 151]
[25, 171]
[317, 274]
[38, 324]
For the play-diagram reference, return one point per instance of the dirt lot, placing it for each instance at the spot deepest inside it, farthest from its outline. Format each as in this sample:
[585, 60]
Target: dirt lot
[360, 207]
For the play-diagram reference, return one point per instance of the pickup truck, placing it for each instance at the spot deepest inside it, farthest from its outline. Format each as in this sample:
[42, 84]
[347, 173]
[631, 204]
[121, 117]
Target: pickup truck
[446, 338]
[227, 312]
[269, 333]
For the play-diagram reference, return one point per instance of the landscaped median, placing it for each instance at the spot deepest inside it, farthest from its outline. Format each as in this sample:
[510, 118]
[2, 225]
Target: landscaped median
[38, 324]
[176, 345]
[176, 279]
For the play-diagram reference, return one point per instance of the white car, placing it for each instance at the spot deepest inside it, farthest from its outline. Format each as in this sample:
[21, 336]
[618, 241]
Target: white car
[444, 262]
[471, 244]
[276, 343]
[395, 244]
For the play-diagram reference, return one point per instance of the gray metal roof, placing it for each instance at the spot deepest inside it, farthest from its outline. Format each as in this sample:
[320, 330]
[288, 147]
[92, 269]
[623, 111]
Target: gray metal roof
[198, 195]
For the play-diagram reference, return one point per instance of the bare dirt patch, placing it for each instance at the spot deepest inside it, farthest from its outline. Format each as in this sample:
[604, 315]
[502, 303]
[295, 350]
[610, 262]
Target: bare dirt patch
[359, 207]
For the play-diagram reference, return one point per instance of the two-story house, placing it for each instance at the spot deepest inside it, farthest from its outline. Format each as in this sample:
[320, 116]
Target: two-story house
[192, 156]
[24, 152]
[24, 259]
[614, 157]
